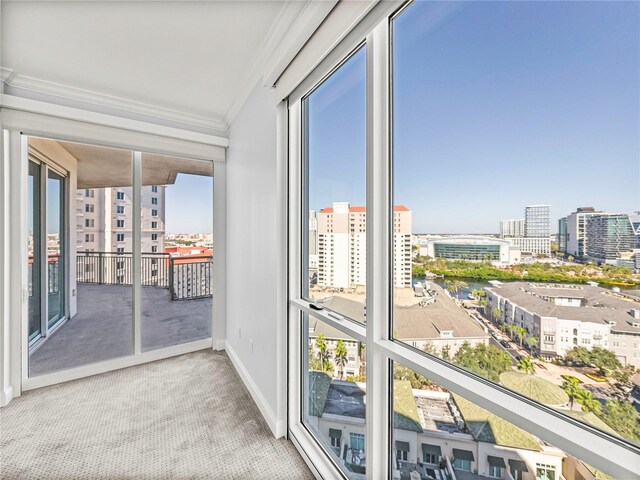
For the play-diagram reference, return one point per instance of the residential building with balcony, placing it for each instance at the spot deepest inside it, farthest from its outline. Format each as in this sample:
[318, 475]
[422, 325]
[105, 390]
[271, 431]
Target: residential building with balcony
[562, 317]
[342, 246]
[574, 238]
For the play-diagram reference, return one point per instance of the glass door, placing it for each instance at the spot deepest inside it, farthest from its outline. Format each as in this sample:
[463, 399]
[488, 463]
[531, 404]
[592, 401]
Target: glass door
[55, 248]
[33, 249]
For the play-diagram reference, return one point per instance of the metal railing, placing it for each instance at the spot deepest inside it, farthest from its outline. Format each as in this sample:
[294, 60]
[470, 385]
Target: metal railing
[185, 277]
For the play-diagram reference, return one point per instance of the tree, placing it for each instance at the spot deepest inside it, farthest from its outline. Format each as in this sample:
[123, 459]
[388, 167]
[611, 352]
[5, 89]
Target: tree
[533, 342]
[496, 313]
[570, 258]
[579, 355]
[340, 357]
[623, 418]
[526, 365]
[323, 353]
[400, 372]
[605, 361]
[589, 404]
[483, 360]
[571, 387]
[478, 293]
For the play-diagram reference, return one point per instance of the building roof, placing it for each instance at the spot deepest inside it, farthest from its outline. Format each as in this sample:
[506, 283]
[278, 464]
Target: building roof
[347, 399]
[428, 322]
[484, 426]
[534, 387]
[356, 209]
[601, 306]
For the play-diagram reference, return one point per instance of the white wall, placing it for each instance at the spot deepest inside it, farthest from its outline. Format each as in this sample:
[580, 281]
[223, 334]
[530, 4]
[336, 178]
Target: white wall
[253, 242]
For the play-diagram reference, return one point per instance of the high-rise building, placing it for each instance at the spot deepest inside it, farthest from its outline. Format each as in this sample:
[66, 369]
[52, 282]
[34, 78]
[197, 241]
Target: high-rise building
[562, 234]
[537, 221]
[512, 227]
[342, 242]
[635, 223]
[576, 231]
[104, 219]
[313, 244]
[608, 235]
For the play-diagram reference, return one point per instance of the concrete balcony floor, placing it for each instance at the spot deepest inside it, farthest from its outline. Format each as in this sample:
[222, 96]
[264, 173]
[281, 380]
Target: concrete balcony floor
[187, 417]
[103, 327]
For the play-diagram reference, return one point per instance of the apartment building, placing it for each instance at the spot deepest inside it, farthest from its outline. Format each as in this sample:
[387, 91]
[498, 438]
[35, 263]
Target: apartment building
[562, 317]
[512, 227]
[104, 219]
[537, 221]
[608, 236]
[573, 233]
[342, 246]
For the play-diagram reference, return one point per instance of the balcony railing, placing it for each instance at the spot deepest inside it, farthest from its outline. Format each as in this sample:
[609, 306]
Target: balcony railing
[185, 277]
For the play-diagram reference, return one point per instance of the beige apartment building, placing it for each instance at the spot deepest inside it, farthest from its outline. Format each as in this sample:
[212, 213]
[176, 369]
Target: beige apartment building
[342, 246]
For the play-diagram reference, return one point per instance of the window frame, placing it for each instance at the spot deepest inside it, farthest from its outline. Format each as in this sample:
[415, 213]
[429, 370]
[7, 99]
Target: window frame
[604, 451]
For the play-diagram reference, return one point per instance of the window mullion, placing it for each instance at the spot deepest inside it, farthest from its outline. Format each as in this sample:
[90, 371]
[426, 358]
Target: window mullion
[378, 258]
[136, 251]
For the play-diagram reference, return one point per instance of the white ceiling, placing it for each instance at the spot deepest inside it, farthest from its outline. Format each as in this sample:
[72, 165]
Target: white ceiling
[192, 62]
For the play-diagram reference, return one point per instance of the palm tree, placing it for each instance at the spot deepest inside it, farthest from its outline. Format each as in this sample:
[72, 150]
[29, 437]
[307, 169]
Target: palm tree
[533, 343]
[589, 404]
[323, 352]
[526, 365]
[571, 388]
[496, 312]
[340, 357]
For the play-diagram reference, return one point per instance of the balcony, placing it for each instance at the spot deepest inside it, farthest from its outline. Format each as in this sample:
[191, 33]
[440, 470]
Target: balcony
[176, 308]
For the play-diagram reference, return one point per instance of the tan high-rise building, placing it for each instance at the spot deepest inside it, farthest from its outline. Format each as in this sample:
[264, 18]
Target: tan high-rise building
[342, 246]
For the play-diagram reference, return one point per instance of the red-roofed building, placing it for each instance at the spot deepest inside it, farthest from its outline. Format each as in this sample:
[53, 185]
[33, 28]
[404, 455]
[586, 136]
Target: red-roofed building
[341, 245]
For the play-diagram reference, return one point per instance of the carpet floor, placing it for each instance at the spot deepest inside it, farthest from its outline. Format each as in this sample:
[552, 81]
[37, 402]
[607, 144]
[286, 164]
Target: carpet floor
[187, 417]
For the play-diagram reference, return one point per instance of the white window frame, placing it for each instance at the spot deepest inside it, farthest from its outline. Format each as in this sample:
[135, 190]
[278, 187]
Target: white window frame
[603, 451]
[25, 118]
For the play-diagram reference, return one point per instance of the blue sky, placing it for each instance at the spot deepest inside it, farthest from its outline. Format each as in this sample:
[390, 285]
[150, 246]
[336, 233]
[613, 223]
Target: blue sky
[189, 205]
[497, 105]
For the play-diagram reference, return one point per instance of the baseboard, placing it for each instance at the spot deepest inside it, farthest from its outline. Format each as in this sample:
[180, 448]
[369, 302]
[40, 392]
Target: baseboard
[6, 396]
[277, 426]
[219, 345]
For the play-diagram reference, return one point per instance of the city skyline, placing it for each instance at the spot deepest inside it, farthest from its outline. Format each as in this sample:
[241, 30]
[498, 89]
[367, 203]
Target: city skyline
[528, 106]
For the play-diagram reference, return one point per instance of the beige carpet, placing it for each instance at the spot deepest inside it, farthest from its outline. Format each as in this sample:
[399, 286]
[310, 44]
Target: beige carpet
[181, 418]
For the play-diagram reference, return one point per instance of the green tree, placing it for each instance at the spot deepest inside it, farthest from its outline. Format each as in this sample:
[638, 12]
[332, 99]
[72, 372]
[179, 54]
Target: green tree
[526, 365]
[588, 402]
[604, 360]
[533, 342]
[571, 387]
[478, 293]
[496, 313]
[483, 360]
[622, 417]
[579, 354]
[340, 357]
[323, 353]
[400, 372]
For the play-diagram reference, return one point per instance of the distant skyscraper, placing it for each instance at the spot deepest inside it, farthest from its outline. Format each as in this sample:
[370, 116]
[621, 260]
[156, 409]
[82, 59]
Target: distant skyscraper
[537, 221]
[342, 242]
[608, 235]
[512, 227]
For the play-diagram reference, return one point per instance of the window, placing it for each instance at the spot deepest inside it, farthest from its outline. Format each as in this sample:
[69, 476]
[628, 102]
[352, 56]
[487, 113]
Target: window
[154, 200]
[119, 195]
[89, 207]
[120, 209]
[120, 237]
[461, 332]
[154, 224]
[120, 250]
[154, 213]
[154, 188]
[89, 222]
[120, 223]
[154, 236]
[88, 237]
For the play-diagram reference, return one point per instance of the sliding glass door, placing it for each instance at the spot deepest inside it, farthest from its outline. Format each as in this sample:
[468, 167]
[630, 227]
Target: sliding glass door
[46, 249]
[55, 248]
[33, 249]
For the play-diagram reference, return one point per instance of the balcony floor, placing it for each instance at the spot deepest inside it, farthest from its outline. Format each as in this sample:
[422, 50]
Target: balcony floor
[187, 417]
[103, 327]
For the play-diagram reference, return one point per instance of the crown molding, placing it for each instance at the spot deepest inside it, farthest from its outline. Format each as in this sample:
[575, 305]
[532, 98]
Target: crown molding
[5, 74]
[62, 91]
[295, 23]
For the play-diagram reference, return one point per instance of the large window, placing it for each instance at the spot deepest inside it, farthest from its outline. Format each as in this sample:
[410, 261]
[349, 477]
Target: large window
[492, 301]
